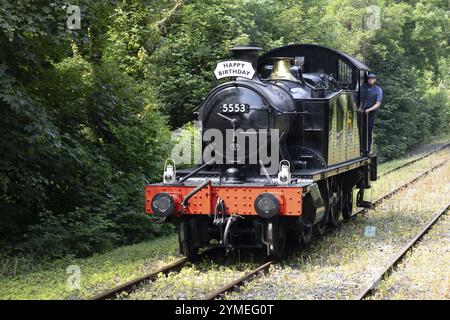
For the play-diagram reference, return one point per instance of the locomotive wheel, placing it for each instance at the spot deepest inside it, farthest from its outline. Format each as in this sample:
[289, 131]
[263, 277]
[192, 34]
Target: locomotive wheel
[276, 230]
[335, 209]
[334, 219]
[306, 235]
[359, 197]
[189, 251]
[187, 247]
[347, 208]
[319, 229]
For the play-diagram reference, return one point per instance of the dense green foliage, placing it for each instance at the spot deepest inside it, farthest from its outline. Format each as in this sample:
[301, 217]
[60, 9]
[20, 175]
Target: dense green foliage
[80, 134]
[85, 115]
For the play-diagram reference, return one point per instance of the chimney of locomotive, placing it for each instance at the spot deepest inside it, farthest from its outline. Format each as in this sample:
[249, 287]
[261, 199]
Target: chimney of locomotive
[247, 53]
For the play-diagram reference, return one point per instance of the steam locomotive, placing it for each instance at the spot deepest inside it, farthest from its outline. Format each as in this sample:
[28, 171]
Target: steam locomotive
[283, 152]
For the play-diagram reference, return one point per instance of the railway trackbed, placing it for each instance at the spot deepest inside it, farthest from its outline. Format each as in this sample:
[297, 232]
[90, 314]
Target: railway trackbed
[372, 286]
[234, 285]
[409, 163]
[176, 266]
[130, 286]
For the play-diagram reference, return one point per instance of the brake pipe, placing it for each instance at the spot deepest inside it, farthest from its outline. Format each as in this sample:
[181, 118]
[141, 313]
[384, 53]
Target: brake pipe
[212, 161]
[185, 201]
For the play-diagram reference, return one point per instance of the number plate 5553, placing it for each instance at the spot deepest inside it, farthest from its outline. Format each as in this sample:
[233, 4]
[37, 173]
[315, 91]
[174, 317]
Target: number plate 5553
[235, 108]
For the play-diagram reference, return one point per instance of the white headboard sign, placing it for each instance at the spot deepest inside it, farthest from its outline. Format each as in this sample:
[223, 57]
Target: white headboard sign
[234, 68]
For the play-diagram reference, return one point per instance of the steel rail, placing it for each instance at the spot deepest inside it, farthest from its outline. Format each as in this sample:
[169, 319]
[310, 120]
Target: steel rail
[402, 187]
[238, 282]
[371, 287]
[129, 286]
[232, 286]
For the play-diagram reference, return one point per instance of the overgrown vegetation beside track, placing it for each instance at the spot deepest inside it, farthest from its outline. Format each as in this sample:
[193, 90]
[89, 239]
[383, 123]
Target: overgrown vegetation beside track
[85, 114]
[22, 279]
[425, 273]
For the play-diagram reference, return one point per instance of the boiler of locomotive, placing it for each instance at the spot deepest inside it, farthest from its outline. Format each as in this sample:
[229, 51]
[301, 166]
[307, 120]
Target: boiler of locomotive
[247, 113]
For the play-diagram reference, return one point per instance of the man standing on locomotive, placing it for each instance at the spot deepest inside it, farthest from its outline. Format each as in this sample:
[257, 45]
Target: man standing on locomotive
[371, 97]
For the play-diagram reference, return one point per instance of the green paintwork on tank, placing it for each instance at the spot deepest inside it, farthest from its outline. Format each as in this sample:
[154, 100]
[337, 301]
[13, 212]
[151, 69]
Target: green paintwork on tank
[343, 135]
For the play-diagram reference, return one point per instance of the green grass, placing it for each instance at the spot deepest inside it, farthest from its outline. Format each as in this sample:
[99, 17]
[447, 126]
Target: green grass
[442, 138]
[425, 273]
[193, 282]
[98, 273]
[385, 167]
[398, 178]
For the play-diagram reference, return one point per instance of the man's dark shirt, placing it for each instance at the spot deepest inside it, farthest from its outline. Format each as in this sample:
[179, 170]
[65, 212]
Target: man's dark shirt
[370, 95]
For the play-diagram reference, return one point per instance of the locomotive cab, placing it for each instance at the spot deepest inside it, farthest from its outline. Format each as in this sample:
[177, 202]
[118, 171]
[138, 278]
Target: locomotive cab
[282, 153]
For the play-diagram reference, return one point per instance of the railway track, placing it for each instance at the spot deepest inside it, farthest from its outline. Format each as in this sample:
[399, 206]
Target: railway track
[177, 265]
[371, 287]
[130, 286]
[234, 285]
[407, 164]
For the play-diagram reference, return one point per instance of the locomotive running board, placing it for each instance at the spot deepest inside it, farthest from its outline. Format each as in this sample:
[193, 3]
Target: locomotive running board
[306, 176]
[330, 171]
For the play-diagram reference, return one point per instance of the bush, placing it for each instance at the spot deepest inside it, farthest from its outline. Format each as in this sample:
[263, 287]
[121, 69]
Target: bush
[79, 140]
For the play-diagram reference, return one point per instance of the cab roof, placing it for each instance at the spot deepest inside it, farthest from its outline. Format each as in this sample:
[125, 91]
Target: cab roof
[312, 51]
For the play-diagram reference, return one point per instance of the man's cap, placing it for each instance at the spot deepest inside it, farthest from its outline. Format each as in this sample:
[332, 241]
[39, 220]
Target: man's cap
[372, 75]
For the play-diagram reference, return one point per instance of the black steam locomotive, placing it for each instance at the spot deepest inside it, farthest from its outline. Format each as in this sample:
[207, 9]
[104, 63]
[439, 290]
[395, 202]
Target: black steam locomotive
[282, 152]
